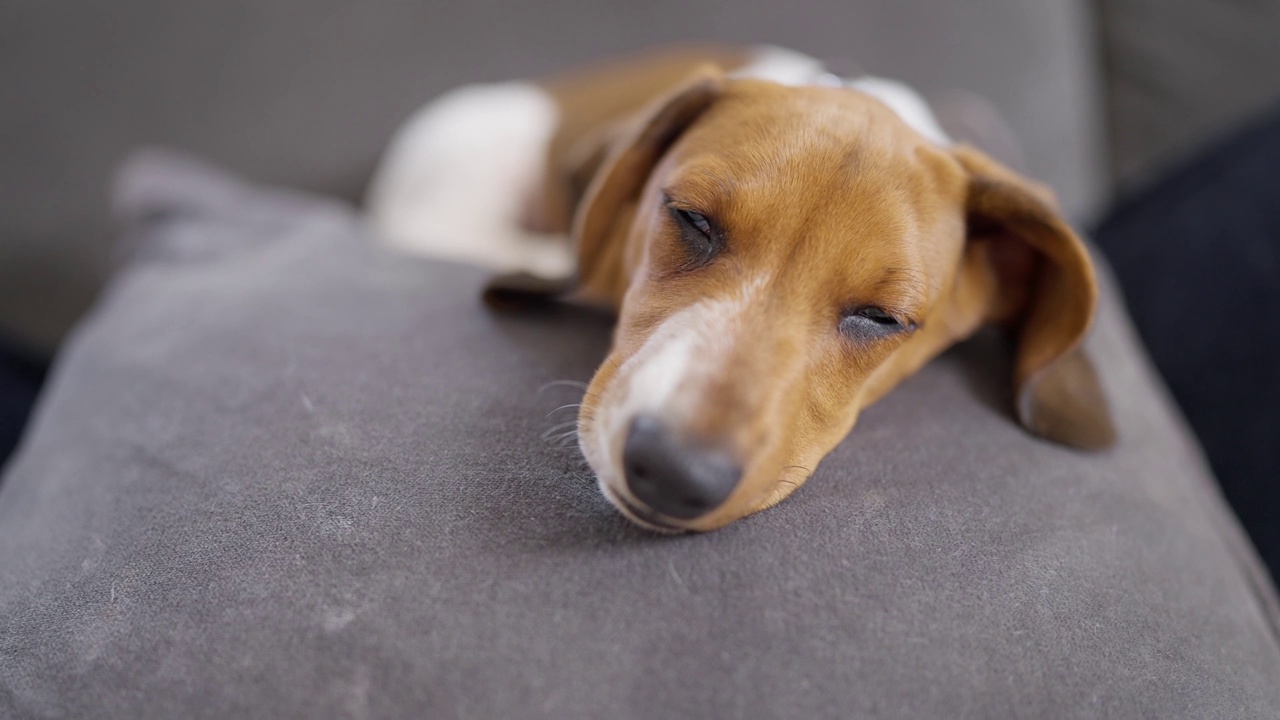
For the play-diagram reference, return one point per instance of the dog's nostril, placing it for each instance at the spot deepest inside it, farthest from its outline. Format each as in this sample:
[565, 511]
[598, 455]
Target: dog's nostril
[674, 478]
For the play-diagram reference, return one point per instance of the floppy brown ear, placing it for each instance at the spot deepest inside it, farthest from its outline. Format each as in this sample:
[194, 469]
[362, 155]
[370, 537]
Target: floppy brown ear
[604, 214]
[598, 178]
[1047, 291]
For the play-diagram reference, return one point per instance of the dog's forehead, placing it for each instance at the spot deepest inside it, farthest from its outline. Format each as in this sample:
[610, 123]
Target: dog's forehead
[810, 116]
[822, 182]
[766, 155]
[771, 141]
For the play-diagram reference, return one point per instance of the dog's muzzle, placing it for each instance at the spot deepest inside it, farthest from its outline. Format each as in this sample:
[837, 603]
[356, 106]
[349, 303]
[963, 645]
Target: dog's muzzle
[672, 478]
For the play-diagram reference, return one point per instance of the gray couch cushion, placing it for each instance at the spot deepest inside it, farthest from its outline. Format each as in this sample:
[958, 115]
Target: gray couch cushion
[281, 474]
[306, 93]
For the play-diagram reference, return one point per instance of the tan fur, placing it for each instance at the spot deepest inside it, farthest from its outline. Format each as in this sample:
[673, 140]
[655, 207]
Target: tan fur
[830, 201]
[596, 103]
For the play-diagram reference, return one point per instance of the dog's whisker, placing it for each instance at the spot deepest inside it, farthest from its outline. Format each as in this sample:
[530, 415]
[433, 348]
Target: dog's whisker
[559, 435]
[565, 442]
[576, 384]
[562, 407]
[555, 429]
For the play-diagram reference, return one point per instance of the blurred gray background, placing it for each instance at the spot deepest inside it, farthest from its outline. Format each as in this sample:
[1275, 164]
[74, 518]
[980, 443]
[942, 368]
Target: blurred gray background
[1102, 94]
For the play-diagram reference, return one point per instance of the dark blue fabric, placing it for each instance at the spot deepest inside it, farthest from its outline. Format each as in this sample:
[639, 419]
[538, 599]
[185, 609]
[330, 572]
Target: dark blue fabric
[1198, 255]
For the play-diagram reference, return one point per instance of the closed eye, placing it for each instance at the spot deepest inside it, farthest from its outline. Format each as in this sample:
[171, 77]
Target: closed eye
[695, 219]
[700, 236]
[870, 322]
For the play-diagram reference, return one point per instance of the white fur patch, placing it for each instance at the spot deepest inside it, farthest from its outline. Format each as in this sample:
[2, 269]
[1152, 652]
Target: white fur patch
[789, 67]
[906, 102]
[667, 375]
[654, 381]
[456, 176]
[783, 66]
[686, 349]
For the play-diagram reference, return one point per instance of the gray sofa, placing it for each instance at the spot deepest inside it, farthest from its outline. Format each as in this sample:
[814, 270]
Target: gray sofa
[279, 473]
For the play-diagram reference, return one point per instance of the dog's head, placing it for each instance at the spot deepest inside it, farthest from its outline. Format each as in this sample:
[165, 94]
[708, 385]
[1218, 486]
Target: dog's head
[780, 258]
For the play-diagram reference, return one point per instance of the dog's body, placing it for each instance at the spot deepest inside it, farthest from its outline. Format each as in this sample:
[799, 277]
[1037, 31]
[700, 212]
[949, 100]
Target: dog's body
[782, 247]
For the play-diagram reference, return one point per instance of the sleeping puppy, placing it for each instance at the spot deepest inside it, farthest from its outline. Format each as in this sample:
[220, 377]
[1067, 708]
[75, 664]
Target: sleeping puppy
[782, 248]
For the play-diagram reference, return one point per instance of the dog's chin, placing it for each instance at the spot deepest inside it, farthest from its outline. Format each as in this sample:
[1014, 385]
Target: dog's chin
[638, 516]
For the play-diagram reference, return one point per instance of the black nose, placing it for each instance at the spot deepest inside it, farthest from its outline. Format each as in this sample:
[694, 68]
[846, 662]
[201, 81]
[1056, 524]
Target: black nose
[672, 478]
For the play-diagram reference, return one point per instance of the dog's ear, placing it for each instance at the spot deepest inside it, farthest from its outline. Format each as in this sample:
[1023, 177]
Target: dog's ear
[621, 168]
[1044, 286]
[597, 180]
